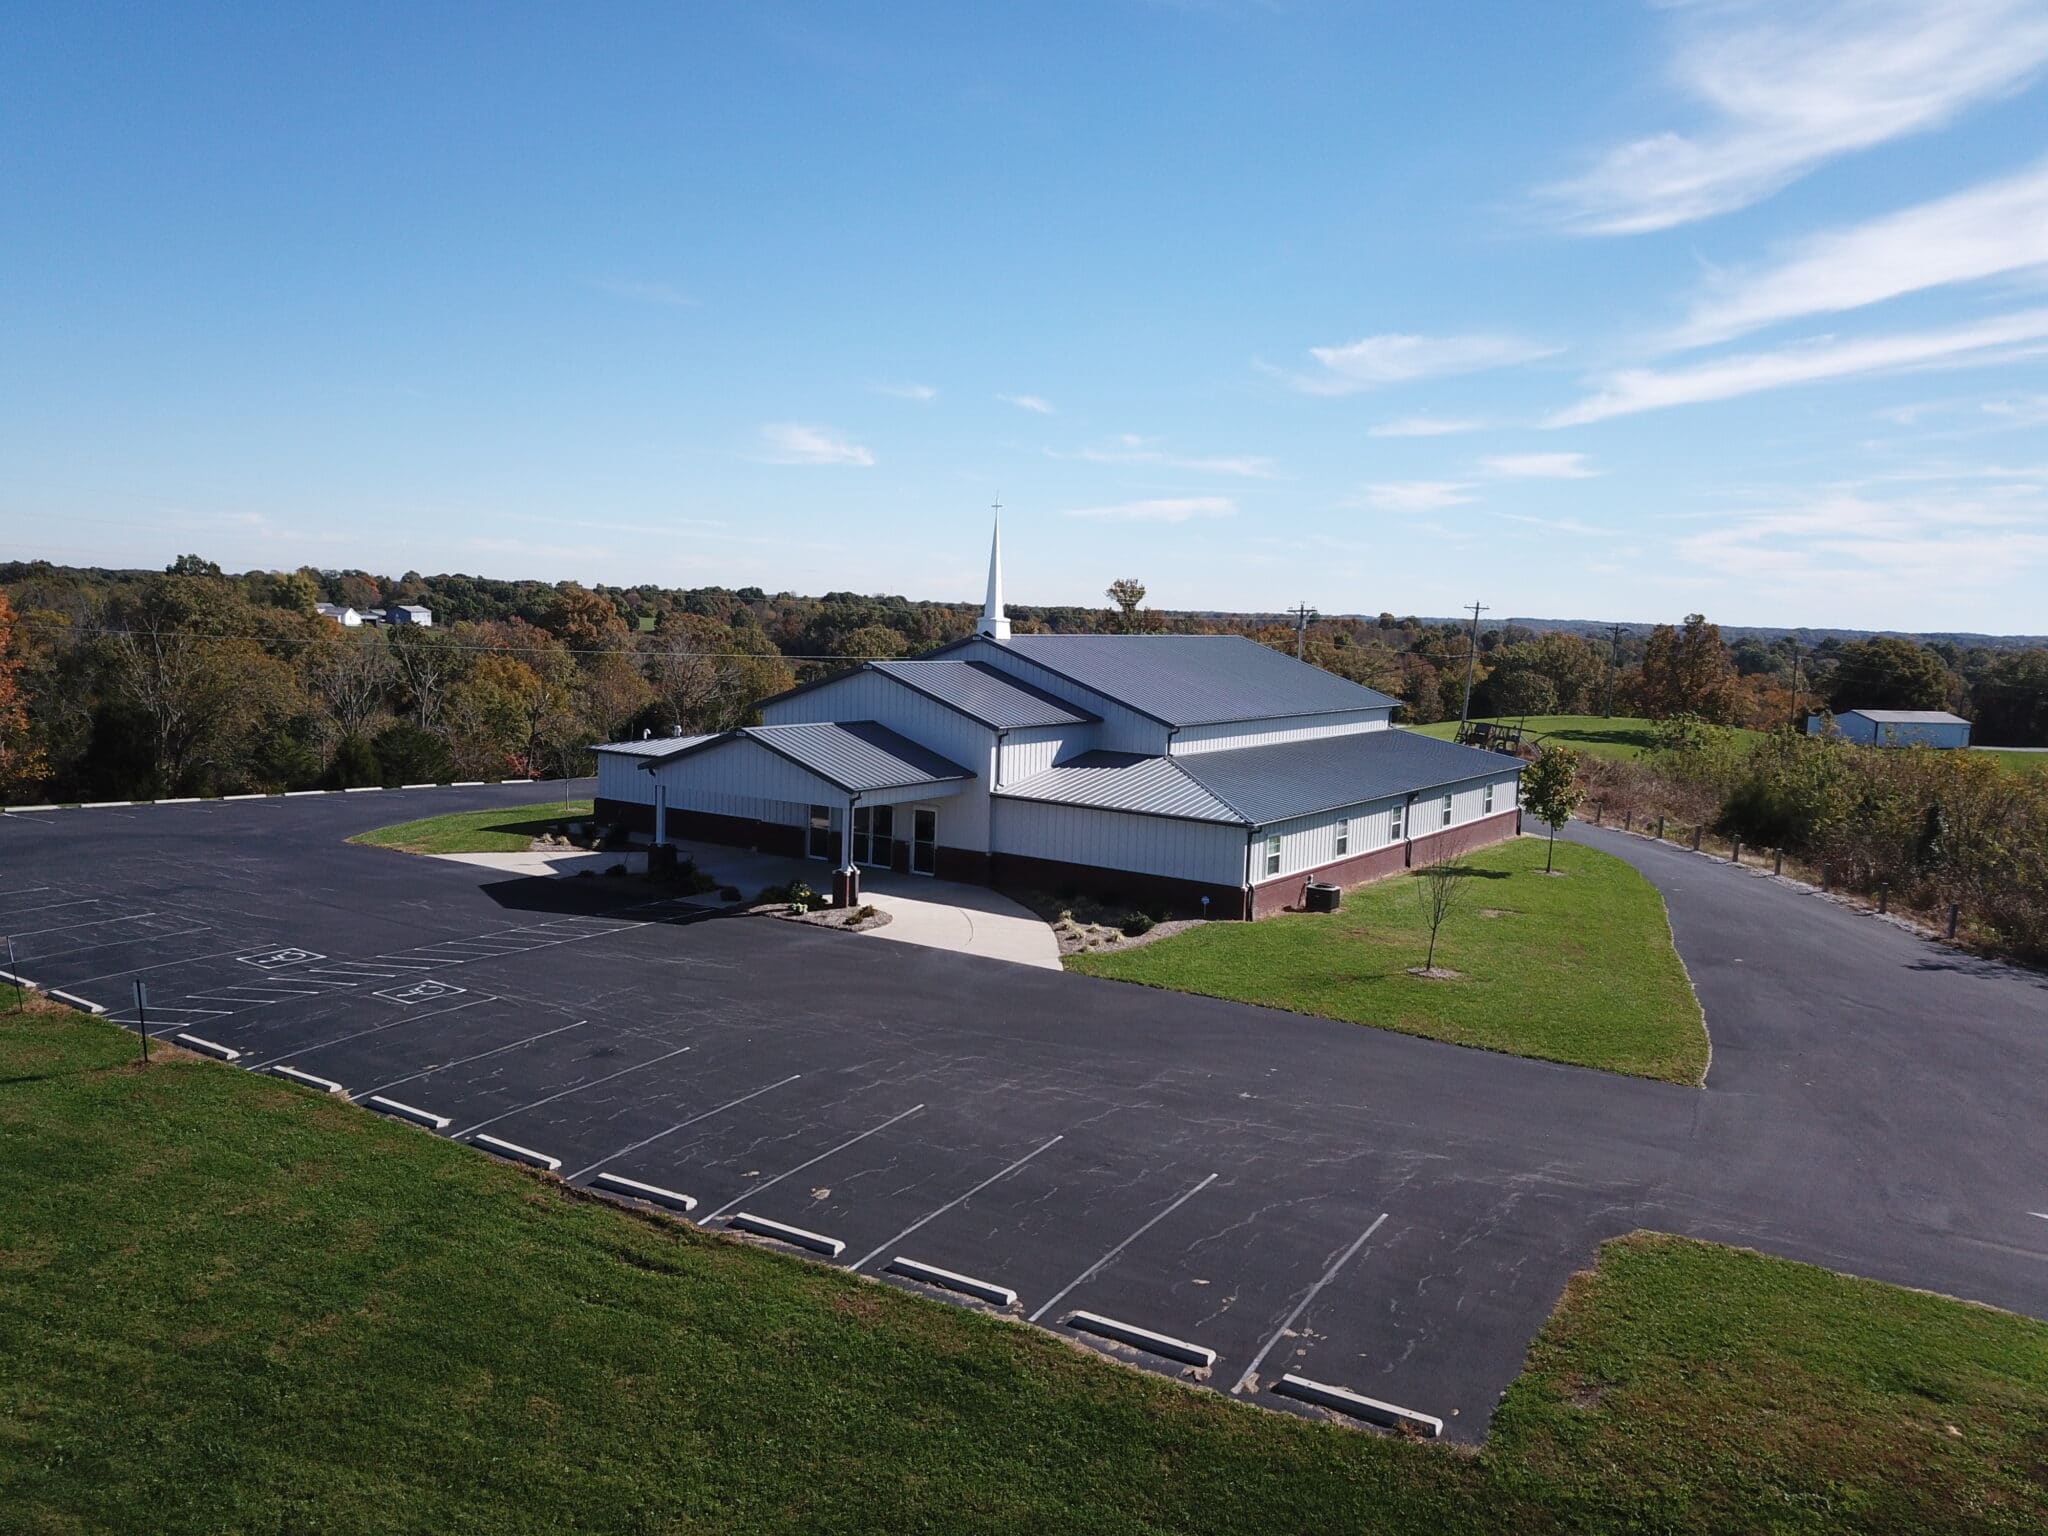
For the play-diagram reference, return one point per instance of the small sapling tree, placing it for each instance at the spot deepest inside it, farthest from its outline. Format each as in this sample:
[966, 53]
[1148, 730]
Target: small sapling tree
[1551, 792]
[1441, 889]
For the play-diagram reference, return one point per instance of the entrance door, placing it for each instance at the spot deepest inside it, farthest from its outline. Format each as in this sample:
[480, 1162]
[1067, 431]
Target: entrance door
[924, 840]
[874, 834]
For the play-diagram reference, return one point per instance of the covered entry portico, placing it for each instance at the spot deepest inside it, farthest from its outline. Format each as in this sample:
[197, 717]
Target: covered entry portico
[854, 792]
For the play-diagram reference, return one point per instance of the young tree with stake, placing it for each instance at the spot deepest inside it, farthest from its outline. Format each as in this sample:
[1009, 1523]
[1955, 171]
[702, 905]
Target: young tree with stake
[1551, 792]
[1441, 889]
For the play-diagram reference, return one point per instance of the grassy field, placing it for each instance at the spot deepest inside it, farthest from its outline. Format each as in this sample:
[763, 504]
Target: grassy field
[1578, 967]
[1621, 736]
[501, 831]
[232, 1304]
[2018, 762]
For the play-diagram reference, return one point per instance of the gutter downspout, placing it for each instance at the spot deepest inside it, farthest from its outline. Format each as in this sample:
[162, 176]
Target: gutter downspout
[1408, 829]
[1251, 835]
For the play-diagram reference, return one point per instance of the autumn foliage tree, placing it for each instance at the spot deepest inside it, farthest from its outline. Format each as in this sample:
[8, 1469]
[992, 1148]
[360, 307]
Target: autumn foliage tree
[21, 760]
[1687, 671]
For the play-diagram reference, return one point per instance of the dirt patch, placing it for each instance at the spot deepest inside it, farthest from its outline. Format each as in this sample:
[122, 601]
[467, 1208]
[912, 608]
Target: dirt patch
[862, 919]
[1436, 973]
[1497, 912]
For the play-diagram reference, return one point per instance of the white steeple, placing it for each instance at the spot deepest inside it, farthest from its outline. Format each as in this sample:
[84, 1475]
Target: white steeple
[994, 622]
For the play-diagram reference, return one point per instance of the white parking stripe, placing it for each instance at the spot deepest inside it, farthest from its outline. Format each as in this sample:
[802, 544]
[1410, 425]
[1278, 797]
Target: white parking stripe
[463, 1061]
[1104, 1262]
[684, 1125]
[595, 1082]
[1302, 1306]
[377, 1029]
[136, 970]
[812, 1162]
[98, 922]
[963, 1199]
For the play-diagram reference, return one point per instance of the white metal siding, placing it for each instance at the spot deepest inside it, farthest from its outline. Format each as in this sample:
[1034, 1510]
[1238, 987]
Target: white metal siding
[1265, 733]
[963, 823]
[1032, 751]
[619, 778]
[1153, 845]
[1309, 842]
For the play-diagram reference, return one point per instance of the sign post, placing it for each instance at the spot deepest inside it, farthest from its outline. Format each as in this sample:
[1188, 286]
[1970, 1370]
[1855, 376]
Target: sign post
[142, 1018]
[20, 991]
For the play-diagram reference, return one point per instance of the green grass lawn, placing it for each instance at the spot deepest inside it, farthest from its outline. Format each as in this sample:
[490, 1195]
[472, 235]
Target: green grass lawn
[233, 1305]
[500, 831]
[2018, 762]
[1621, 736]
[1577, 967]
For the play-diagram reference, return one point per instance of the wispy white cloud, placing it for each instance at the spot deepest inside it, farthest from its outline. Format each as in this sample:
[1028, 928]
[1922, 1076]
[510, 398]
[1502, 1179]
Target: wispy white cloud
[1790, 84]
[1168, 509]
[1133, 449]
[667, 295]
[1415, 495]
[791, 442]
[1899, 549]
[1985, 231]
[1038, 405]
[2020, 411]
[1571, 525]
[923, 394]
[1999, 339]
[1393, 358]
[1539, 466]
[1423, 426]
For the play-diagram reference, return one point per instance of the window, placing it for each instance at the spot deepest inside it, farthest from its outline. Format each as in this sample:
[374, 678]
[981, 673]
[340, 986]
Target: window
[1487, 807]
[1446, 807]
[819, 844]
[1343, 836]
[1273, 854]
[1398, 828]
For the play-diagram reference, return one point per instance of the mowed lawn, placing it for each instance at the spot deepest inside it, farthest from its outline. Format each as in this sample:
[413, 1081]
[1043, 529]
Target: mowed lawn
[235, 1305]
[1621, 736]
[1576, 967]
[500, 831]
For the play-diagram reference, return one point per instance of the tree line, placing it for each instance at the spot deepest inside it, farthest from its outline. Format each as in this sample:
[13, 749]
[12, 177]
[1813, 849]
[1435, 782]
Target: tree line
[190, 680]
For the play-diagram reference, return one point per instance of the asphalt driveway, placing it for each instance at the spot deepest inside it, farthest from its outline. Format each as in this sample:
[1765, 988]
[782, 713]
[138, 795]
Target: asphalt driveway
[1392, 1215]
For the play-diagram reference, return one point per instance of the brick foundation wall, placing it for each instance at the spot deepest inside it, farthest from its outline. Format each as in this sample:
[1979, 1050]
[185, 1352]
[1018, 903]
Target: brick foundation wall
[623, 813]
[1360, 869]
[1179, 898]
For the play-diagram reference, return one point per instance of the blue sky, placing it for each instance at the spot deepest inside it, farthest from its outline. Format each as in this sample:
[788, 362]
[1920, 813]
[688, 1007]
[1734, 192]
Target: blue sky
[1604, 310]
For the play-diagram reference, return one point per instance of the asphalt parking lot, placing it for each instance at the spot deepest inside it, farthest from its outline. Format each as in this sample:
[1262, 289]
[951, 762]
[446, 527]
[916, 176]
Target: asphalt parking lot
[1261, 1193]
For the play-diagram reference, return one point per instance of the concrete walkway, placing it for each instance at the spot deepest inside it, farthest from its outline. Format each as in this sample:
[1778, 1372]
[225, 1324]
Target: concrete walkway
[939, 914]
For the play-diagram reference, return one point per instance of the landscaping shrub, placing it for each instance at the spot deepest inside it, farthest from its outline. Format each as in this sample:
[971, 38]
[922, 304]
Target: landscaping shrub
[1135, 923]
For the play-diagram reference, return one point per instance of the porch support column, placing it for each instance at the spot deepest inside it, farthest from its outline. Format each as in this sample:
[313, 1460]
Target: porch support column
[846, 879]
[660, 813]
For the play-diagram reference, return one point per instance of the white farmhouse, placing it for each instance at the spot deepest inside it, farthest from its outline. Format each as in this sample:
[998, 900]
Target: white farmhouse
[1164, 769]
[341, 613]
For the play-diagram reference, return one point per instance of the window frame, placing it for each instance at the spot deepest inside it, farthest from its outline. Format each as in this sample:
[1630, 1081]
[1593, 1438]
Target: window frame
[1397, 828]
[1486, 806]
[1343, 836]
[1447, 806]
[1272, 854]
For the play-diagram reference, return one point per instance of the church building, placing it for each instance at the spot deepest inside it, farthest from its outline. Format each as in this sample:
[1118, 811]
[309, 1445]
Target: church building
[1166, 770]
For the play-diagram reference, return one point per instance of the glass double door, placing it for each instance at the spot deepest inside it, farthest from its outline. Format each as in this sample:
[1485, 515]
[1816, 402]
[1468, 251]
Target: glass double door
[875, 837]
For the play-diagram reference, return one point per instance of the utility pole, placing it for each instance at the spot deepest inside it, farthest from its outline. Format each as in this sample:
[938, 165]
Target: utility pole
[1613, 668]
[1471, 660]
[1795, 682]
[1302, 615]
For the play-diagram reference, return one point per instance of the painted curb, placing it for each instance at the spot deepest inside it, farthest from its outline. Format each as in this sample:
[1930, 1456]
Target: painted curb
[1143, 1338]
[517, 1153]
[654, 1193]
[13, 808]
[363, 789]
[104, 805]
[946, 1279]
[77, 1002]
[211, 1047]
[324, 1084]
[13, 980]
[182, 800]
[761, 1226]
[409, 1112]
[1357, 1406]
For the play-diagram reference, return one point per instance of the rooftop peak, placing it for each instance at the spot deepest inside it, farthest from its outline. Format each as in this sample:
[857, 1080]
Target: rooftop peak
[995, 623]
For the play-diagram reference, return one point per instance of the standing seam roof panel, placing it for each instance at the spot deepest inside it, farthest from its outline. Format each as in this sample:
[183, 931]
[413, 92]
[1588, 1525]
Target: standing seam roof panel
[1196, 679]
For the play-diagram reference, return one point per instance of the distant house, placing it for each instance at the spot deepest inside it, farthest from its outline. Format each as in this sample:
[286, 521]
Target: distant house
[409, 613]
[341, 613]
[1894, 727]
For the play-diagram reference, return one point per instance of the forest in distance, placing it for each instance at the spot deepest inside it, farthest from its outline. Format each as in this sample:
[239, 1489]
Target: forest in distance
[193, 680]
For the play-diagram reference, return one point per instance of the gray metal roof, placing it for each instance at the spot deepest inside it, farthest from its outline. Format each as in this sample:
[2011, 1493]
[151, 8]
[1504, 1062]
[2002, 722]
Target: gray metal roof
[1124, 781]
[1909, 716]
[1296, 778]
[659, 746]
[1196, 679]
[856, 755]
[994, 697]
[1257, 786]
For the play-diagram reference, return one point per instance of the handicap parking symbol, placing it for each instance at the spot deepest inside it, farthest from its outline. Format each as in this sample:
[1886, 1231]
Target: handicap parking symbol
[275, 959]
[420, 992]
